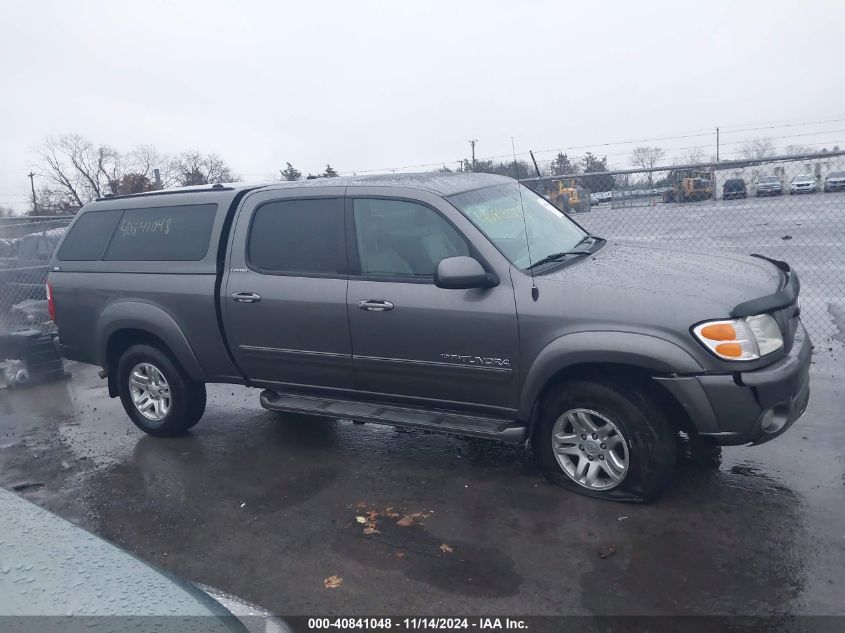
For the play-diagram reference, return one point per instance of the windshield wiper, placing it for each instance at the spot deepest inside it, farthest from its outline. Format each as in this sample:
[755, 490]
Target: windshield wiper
[556, 257]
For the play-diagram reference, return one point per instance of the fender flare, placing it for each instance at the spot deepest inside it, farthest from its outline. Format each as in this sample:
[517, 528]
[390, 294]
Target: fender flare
[150, 318]
[644, 351]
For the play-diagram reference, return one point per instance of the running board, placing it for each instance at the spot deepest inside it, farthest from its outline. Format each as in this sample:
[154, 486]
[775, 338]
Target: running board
[441, 421]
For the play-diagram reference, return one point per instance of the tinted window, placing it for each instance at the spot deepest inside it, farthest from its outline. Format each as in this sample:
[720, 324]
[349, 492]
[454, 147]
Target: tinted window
[398, 238]
[88, 238]
[298, 236]
[163, 234]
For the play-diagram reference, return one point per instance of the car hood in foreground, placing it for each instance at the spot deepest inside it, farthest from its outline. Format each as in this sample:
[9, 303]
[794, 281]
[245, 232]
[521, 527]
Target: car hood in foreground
[50, 567]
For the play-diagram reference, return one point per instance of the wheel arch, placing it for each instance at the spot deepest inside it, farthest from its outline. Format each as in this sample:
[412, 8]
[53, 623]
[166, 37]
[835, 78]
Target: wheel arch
[124, 324]
[608, 356]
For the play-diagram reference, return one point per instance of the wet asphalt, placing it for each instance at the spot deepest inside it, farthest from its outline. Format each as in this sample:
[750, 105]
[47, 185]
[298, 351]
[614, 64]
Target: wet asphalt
[266, 506]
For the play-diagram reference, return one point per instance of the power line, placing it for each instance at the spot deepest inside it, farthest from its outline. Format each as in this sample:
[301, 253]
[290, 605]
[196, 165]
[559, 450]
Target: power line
[709, 133]
[685, 136]
[713, 146]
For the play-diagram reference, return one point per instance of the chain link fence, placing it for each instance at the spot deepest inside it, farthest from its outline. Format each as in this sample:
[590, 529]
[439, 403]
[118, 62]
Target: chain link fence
[28, 353]
[787, 207]
[26, 247]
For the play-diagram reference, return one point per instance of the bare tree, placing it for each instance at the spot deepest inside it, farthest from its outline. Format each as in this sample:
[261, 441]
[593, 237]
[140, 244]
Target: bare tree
[143, 160]
[757, 148]
[54, 200]
[797, 150]
[695, 156]
[78, 169]
[194, 168]
[6, 211]
[647, 158]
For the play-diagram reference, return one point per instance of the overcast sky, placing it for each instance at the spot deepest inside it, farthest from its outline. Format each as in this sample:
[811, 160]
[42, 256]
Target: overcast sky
[379, 85]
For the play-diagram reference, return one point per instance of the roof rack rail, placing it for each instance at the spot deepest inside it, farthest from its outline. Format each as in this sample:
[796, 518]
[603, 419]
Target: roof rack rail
[165, 192]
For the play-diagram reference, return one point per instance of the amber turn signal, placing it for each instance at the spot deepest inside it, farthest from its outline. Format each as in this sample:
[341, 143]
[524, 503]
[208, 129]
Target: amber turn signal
[719, 332]
[734, 350]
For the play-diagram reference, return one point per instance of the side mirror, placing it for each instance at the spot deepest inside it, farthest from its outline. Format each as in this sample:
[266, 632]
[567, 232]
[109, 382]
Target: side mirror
[460, 273]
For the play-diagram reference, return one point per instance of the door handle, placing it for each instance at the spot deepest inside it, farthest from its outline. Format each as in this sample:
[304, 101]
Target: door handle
[246, 297]
[375, 305]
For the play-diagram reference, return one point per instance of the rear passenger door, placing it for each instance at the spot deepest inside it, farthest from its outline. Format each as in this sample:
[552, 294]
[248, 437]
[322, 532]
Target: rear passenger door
[284, 298]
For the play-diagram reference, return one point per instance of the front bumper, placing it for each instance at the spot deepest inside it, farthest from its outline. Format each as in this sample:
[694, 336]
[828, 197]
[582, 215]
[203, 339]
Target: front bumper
[748, 407]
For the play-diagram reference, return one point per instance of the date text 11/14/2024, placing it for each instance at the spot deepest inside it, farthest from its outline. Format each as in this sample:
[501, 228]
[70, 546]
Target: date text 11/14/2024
[417, 624]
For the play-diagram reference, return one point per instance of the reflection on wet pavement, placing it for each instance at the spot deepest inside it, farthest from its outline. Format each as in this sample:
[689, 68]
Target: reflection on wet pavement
[265, 506]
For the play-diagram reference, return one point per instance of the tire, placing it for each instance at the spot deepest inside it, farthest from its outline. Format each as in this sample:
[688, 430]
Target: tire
[643, 436]
[184, 407]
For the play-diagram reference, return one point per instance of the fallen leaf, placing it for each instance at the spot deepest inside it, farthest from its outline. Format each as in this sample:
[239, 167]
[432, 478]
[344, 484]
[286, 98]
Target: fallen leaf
[405, 521]
[621, 518]
[371, 530]
[333, 582]
[361, 519]
[400, 554]
[606, 551]
[446, 549]
[361, 504]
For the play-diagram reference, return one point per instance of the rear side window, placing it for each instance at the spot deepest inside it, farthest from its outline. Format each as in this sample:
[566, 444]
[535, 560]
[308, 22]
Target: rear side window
[298, 236]
[89, 236]
[163, 234]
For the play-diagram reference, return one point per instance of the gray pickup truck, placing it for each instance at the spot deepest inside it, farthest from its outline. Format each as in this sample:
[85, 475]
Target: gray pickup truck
[462, 303]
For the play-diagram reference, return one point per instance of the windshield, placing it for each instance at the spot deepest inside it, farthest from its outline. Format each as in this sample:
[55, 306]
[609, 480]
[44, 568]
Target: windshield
[497, 212]
[803, 177]
[769, 179]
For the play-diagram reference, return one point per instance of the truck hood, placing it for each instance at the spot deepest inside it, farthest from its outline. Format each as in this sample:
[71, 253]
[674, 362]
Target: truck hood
[692, 285]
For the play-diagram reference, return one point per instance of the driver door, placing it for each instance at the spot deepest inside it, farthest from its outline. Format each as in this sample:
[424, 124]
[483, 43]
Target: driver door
[413, 342]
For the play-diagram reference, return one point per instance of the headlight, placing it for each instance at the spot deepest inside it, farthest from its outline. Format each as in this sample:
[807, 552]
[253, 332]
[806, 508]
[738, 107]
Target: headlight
[741, 339]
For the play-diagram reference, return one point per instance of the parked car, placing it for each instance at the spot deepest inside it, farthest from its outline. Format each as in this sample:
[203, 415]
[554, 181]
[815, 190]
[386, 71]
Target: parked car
[803, 183]
[769, 186]
[55, 570]
[462, 303]
[734, 188]
[835, 181]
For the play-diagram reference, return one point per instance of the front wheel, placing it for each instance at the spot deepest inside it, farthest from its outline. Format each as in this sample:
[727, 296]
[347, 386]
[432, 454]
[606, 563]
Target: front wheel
[159, 397]
[604, 441]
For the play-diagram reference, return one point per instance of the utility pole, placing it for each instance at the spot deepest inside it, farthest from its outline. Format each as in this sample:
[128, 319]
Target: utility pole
[717, 143]
[157, 176]
[34, 199]
[472, 144]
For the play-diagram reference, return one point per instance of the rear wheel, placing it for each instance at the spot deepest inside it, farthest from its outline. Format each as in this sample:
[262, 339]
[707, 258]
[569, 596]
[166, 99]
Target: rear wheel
[159, 397]
[605, 441]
